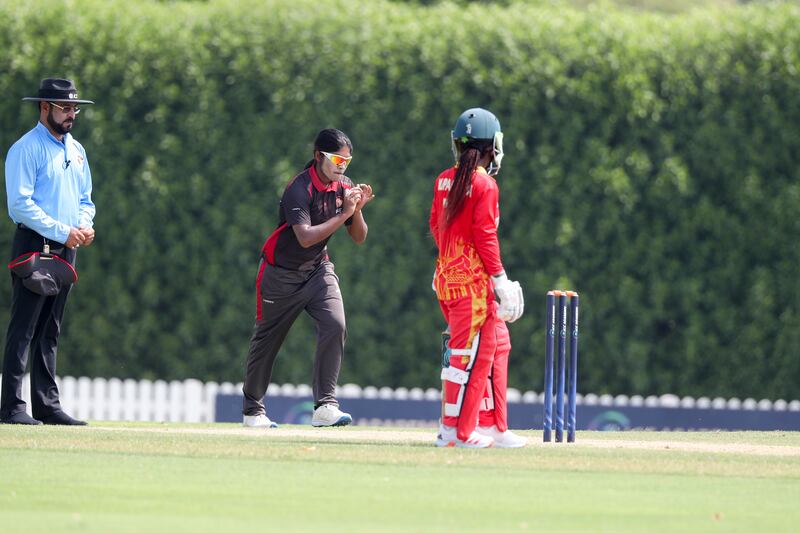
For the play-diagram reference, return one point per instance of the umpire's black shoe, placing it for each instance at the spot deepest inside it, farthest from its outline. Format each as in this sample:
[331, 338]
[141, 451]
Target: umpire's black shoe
[60, 418]
[20, 418]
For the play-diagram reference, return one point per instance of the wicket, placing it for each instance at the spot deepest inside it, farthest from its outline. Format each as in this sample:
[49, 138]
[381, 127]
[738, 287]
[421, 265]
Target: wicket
[562, 316]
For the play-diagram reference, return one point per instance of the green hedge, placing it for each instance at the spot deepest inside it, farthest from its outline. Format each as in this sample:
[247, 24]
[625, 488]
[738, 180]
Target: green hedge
[653, 164]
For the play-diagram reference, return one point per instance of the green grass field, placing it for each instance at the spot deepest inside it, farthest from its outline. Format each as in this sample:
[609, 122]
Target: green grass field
[221, 477]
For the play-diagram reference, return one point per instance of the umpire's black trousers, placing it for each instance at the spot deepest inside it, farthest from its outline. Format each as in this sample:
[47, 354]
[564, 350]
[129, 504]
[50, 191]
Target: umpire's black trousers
[33, 330]
[283, 295]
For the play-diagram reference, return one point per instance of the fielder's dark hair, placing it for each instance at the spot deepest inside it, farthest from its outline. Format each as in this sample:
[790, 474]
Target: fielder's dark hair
[330, 140]
[469, 155]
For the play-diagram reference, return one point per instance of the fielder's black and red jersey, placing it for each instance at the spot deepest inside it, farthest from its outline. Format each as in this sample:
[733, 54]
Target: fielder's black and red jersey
[306, 200]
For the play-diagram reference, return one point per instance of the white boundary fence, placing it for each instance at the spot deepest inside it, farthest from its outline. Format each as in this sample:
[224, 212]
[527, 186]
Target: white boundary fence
[138, 400]
[193, 401]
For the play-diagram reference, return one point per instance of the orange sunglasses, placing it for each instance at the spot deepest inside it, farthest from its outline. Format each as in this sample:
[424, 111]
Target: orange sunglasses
[337, 159]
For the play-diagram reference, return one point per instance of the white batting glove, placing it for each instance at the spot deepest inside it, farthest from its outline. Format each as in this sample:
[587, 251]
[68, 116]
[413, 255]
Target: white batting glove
[509, 293]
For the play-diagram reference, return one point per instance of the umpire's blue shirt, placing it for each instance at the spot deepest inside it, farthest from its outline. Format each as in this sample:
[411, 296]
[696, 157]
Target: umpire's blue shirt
[48, 184]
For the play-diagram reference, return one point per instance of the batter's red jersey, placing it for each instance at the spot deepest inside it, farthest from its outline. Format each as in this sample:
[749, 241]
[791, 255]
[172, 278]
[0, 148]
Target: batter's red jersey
[469, 251]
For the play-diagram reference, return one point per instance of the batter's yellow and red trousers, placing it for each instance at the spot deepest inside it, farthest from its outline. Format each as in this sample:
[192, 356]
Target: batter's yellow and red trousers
[475, 383]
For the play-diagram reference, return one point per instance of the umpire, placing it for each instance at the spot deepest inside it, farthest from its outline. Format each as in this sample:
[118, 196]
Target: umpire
[49, 191]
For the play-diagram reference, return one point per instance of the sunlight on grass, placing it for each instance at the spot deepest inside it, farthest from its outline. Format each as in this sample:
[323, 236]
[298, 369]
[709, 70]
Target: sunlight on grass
[199, 477]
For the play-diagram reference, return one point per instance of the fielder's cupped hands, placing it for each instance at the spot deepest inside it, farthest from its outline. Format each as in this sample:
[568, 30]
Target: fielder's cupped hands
[366, 195]
[352, 197]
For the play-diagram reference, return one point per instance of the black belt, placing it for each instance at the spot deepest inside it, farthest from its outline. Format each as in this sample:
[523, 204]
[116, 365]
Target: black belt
[55, 246]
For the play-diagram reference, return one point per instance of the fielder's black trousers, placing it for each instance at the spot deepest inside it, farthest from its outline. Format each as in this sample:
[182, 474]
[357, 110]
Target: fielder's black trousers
[33, 332]
[284, 294]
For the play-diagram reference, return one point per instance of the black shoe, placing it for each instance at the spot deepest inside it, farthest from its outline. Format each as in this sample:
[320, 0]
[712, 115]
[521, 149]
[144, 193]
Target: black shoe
[60, 418]
[21, 418]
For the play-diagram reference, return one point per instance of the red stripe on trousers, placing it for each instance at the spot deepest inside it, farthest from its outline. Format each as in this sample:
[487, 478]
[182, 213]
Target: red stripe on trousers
[258, 289]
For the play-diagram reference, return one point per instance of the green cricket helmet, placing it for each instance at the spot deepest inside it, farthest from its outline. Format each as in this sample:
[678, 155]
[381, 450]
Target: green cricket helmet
[479, 124]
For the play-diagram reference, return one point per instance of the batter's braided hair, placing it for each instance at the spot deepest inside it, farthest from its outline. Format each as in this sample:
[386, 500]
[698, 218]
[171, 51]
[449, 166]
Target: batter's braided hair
[470, 153]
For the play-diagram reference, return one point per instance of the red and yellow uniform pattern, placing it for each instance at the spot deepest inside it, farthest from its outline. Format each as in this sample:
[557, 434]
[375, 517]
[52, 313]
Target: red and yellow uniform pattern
[469, 251]
[469, 254]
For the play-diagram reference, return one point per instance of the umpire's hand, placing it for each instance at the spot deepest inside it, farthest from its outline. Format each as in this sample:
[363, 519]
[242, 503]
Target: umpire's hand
[75, 239]
[88, 234]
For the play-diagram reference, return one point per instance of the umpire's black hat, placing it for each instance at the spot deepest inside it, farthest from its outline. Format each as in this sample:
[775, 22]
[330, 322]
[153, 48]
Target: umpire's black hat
[44, 274]
[57, 90]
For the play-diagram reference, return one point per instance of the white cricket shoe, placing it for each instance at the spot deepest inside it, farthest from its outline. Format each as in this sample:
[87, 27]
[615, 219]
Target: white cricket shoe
[448, 437]
[503, 439]
[329, 414]
[258, 421]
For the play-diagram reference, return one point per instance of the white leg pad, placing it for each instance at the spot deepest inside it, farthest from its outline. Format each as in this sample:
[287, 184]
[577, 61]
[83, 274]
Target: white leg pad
[455, 375]
[452, 409]
[460, 376]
